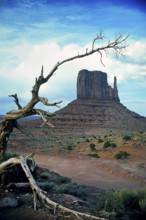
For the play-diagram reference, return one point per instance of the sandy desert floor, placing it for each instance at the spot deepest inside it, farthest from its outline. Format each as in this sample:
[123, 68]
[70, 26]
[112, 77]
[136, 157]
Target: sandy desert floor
[52, 152]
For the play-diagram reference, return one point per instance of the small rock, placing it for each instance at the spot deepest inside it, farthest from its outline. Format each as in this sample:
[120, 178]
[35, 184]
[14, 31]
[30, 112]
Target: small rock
[8, 202]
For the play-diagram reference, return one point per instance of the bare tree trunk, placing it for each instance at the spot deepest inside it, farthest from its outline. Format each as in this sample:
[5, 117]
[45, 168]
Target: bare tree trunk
[6, 128]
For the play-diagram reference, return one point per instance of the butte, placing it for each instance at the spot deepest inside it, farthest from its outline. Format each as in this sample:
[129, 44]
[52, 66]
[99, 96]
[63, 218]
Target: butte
[98, 106]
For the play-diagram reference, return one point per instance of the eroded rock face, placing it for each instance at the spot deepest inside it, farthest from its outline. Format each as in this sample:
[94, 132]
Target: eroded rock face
[94, 85]
[97, 106]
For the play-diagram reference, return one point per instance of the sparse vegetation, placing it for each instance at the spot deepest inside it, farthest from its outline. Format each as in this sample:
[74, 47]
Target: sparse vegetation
[92, 147]
[69, 188]
[11, 154]
[69, 147]
[127, 137]
[45, 175]
[122, 155]
[94, 155]
[141, 165]
[126, 204]
[100, 140]
[108, 144]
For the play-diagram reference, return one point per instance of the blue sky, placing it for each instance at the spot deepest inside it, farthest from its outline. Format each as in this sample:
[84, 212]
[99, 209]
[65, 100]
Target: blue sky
[42, 32]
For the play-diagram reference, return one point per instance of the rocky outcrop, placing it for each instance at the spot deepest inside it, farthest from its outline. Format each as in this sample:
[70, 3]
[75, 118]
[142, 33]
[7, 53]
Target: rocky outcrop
[94, 85]
[97, 106]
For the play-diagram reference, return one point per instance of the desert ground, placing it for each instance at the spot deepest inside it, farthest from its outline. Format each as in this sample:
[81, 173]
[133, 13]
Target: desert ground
[68, 151]
[83, 156]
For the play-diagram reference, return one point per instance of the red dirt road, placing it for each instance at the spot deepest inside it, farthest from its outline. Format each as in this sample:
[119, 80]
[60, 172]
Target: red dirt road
[105, 174]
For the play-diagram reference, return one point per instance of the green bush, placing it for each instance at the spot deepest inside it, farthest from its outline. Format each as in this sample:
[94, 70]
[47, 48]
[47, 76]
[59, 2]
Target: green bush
[94, 155]
[142, 203]
[69, 147]
[126, 204]
[92, 147]
[113, 145]
[10, 154]
[100, 140]
[127, 137]
[63, 179]
[45, 175]
[70, 188]
[108, 144]
[121, 155]
[113, 202]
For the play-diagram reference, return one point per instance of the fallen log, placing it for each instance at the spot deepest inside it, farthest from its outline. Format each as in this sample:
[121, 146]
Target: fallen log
[38, 192]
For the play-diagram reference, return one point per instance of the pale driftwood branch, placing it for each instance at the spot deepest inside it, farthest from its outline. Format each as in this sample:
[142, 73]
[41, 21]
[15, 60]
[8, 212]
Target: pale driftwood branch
[16, 100]
[8, 163]
[37, 191]
[45, 102]
[43, 115]
[43, 196]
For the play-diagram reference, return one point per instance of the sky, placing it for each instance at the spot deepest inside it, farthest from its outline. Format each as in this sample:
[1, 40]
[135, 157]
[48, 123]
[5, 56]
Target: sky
[42, 32]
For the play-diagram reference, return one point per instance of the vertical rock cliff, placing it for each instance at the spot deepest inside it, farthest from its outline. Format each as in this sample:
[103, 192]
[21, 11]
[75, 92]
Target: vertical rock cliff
[94, 85]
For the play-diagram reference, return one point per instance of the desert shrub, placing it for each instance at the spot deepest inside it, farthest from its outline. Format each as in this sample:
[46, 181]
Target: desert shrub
[113, 145]
[63, 179]
[127, 137]
[108, 144]
[70, 188]
[100, 140]
[11, 154]
[141, 165]
[142, 203]
[87, 140]
[92, 146]
[94, 155]
[134, 199]
[45, 175]
[121, 155]
[47, 186]
[113, 202]
[69, 147]
[126, 204]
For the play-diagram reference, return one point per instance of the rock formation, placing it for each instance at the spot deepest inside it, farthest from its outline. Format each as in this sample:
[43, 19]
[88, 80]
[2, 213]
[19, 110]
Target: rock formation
[98, 106]
[93, 85]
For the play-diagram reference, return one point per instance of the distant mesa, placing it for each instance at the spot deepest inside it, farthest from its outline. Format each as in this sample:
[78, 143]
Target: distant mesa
[97, 106]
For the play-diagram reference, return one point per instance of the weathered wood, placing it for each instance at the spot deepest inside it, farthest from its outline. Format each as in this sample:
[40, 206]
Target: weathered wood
[38, 192]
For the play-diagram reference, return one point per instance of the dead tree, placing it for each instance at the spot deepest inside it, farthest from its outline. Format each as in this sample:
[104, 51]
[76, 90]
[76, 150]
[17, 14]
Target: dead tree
[9, 121]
